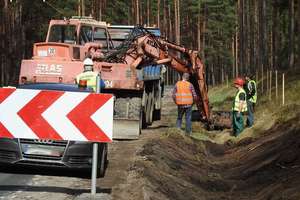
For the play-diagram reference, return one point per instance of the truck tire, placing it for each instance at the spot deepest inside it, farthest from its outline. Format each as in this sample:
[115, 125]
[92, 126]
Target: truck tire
[143, 119]
[102, 160]
[156, 114]
[150, 107]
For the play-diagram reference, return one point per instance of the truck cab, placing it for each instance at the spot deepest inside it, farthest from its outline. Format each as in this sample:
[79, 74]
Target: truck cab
[59, 58]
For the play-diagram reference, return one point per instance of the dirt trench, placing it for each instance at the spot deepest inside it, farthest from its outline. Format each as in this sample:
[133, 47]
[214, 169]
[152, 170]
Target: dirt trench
[176, 167]
[164, 164]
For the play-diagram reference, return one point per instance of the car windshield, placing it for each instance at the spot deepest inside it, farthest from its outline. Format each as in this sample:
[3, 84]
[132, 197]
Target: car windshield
[63, 34]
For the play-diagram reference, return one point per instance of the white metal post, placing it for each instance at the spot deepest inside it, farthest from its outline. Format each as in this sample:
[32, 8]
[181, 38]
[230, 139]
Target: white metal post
[227, 85]
[95, 150]
[270, 92]
[276, 74]
[94, 169]
[283, 89]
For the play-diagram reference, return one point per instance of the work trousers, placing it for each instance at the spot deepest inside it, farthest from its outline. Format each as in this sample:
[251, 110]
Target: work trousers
[250, 117]
[187, 110]
[237, 123]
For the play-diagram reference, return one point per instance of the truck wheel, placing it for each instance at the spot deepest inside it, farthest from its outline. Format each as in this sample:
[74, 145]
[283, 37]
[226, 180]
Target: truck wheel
[156, 114]
[102, 160]
[143, 119]
[149, 108]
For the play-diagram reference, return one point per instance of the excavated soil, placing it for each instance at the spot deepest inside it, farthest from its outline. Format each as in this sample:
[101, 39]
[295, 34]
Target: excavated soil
[164, 164]
[177, 167]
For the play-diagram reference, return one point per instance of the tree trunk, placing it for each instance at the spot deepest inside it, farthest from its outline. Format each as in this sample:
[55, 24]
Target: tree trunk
[158, 13]
[170, 24]
[83, 7]
[79, 8]
[298, 34]
[148, 12]
[100, 10]
[252, 37]
[213, 78]
[137, 17]
[199, 26]
[165, 25]
[178, 21]
[291, 33]
[204, 34]
[265, 34]
[275, 31]
[241, 33]
[233, 55]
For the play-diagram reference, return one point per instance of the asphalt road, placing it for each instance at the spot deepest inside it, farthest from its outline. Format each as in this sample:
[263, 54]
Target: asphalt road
[42, 183]
[10, 183]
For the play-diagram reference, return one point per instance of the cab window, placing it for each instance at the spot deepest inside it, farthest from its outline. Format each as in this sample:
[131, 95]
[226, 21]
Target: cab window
[63, 34]
[86, 34]
[100, 36]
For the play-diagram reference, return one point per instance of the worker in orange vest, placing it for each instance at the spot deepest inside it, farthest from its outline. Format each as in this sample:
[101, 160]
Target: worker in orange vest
[184, 95]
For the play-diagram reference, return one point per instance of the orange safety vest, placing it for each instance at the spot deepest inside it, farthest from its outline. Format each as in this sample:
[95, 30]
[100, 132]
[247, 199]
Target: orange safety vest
[184, 94]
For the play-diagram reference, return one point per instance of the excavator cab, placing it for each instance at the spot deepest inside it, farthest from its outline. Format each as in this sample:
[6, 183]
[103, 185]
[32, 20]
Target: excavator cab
[63, 33]
[59, 58]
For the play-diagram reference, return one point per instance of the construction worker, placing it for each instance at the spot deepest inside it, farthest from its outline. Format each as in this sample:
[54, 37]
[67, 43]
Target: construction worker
[184, 95]
[251, 90]
[239, 107]
[88, 74]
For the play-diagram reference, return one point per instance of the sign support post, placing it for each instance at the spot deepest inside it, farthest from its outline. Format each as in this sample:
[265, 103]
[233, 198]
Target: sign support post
[94, 169]
[95, 149]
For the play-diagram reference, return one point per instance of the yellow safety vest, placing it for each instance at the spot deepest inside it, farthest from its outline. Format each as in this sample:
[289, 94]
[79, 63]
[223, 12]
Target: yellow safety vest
[184, 94]
[90, 77]
[237, 101]
[254, 97]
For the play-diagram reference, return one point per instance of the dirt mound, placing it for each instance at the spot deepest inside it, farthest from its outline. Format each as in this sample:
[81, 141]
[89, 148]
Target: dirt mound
[176, 167]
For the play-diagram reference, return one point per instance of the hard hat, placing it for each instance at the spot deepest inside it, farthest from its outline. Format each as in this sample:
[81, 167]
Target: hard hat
[239, 81]
[88, 64]
[88, 61]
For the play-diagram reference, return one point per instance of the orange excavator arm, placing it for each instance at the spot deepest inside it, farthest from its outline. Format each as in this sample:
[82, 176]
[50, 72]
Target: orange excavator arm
[149, 48]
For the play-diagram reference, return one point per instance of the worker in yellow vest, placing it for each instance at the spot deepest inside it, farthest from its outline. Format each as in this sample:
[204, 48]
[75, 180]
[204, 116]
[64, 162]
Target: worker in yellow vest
[239, 107]
[184, 95]
[88, 74]
[251, 90]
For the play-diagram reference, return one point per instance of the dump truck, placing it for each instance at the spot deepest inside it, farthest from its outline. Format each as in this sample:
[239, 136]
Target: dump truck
[132, 71]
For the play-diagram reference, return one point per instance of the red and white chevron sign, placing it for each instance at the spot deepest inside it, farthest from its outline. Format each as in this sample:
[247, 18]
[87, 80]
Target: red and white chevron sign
[56, 115]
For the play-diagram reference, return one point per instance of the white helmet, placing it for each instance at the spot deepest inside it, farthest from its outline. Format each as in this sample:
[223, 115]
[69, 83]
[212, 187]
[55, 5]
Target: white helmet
[88, 61]
[88, 64]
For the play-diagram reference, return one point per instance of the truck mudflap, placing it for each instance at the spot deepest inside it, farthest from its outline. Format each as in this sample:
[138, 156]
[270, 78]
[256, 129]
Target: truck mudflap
[127, 118]
[126, 129]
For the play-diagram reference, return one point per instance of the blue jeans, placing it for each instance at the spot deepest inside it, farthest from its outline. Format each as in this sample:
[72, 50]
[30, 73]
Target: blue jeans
[250, 117]
[187, 110]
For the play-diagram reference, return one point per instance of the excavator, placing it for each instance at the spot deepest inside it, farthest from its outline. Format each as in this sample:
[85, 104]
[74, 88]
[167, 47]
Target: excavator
[132, 72]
